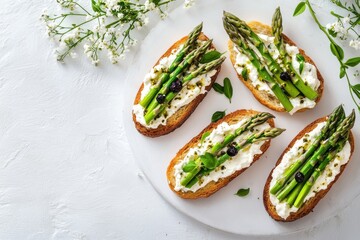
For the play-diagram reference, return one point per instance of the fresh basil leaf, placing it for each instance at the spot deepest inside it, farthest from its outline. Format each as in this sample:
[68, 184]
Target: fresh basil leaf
[217, 116]
[242, 192]
[300, 8]
[208, 160]
[218, 88]
[337, 51]
[244, 74]
[189, 166]
[204, 136]
[210, 56]
[301, 67]
[352, 62]
[228, 90]
[300, 58]
[342, 72]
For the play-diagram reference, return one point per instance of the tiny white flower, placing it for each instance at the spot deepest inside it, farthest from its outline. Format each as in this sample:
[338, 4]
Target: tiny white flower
[73, 55]
[355, 43]
[122, 56]
[346, 20]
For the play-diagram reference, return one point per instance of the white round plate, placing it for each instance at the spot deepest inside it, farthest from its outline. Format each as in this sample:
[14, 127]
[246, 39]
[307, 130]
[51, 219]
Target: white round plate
[224, 210]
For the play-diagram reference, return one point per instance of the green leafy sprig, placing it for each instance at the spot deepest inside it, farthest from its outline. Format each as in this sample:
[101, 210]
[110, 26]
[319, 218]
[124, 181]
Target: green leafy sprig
[336, 50]
[106, 25]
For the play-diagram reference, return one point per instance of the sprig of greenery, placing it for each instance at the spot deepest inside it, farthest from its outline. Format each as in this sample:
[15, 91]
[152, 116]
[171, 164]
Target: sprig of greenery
[107, 25]
[227, 89]
[336, 50]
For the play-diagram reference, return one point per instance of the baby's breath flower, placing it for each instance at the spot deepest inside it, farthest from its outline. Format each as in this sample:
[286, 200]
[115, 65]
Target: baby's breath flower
[355, 43]
[108, 26]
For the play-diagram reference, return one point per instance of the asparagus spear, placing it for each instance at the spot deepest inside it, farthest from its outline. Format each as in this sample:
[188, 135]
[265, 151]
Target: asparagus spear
[188, 46]
[201, 70]
[317, 172]
[256, 137]
[332, 121]
[242, 46]
[342, 130]
[247, 125]
[183, 66]
[254, 39]
[286, 59]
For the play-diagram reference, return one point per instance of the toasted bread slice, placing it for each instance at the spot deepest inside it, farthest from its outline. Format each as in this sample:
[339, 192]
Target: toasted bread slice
[212, 186]
[178, 118]
[309, 205]
[264, 97]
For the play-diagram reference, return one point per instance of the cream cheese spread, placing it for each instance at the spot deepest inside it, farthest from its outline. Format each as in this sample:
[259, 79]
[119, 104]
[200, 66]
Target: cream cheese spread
[242, 160]
[297, 151]
[309, 73]
[188, 93]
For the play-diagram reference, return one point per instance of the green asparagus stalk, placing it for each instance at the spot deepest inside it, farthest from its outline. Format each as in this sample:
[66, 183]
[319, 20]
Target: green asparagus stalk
[183, 66]
[342, 130]
[247, 125]
[188, 46]
[277, 29]
[318, 171]
[295, 192]
[268, 60]
[256, 137]
[242, 46]
[332, 121]
[171, 95]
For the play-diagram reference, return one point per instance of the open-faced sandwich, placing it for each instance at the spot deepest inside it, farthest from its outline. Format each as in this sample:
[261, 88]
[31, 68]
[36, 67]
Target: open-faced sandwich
[220, 152]
[278, 73]
[309, 166]
[176, 84]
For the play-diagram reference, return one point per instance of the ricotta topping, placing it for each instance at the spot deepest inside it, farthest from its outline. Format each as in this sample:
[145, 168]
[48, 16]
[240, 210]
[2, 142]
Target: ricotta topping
[309, 73]
[243, 159]
[297, 151]
[187, 94]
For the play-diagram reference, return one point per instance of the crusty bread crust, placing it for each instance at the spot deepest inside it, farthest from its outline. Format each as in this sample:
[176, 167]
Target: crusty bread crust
[212, 186]
[312, 202]
[264, 97]
[179, 117]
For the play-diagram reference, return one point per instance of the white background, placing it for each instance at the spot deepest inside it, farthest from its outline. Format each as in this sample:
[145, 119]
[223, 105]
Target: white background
[66, 169]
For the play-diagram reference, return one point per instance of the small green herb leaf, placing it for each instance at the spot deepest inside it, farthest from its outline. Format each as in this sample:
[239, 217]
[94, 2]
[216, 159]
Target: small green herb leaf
[300, 8]
[352, 62]
[95, 6]
[244, 74]
[342, 72]
[332, 33]
[210, 56]
[217, 116]
[228, 90]
[301, 67]
[205, 135]
[357, 87]
[208, 160]
[218, 88]
[242, 192]
[156, 2]
[189, 166]
[337, 51]
[356, 90]
[300, 58]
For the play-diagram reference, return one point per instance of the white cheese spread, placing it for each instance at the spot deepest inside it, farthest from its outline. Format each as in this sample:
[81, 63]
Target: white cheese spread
[328, 175]
[309, 73]
[243, 159]
[187, 94]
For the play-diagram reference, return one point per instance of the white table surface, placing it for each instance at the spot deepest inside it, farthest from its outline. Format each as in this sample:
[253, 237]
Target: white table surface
[66, 169]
